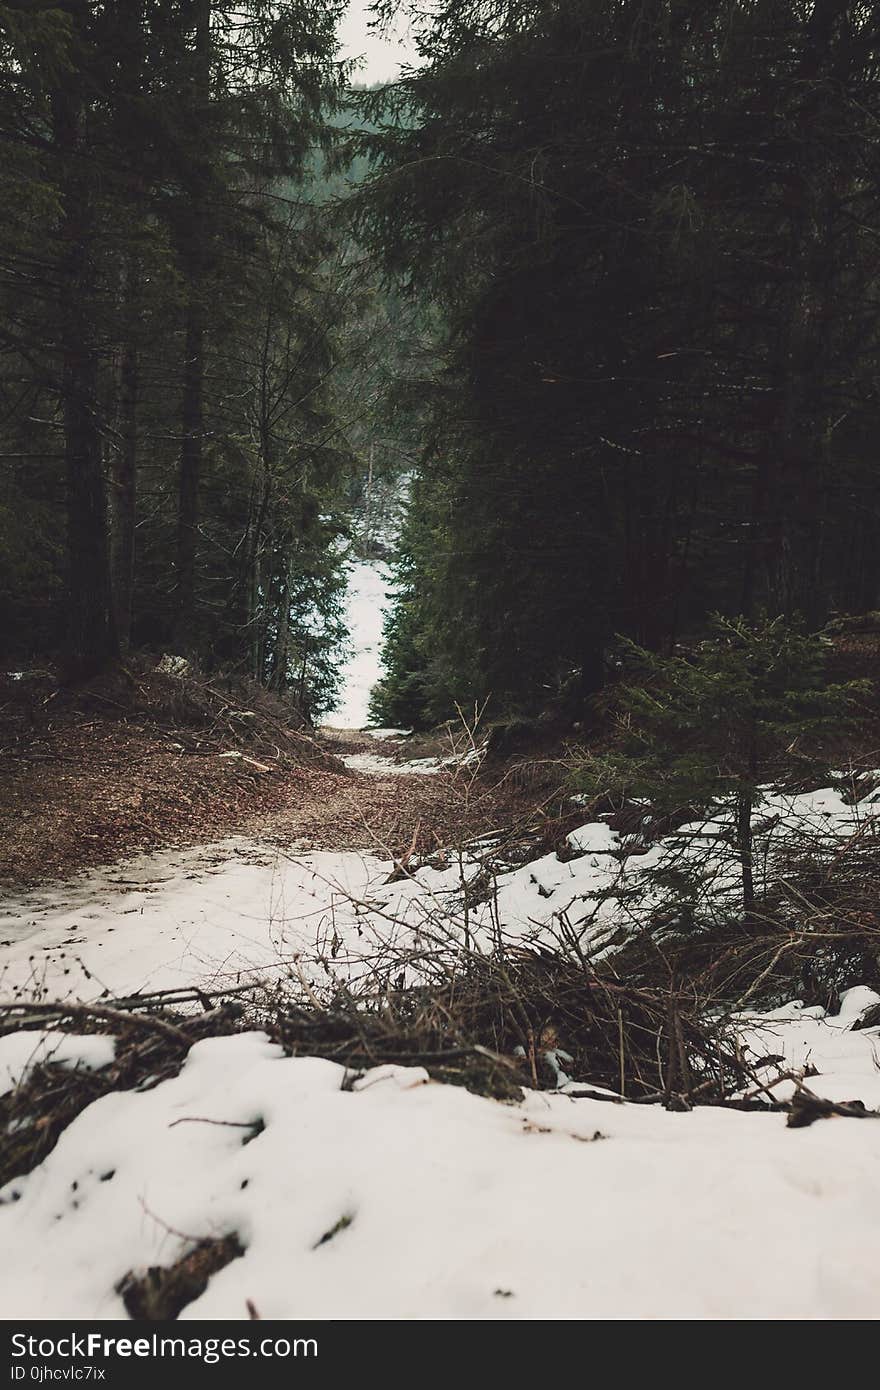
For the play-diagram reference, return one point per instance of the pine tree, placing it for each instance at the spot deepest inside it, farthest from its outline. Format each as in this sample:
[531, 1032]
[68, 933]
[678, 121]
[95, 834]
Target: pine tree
[639, 221]
[713, 727]
[149, 207]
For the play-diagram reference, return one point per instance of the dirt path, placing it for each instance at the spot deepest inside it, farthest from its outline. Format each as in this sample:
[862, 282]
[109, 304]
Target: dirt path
[392, 814]
[90, 792]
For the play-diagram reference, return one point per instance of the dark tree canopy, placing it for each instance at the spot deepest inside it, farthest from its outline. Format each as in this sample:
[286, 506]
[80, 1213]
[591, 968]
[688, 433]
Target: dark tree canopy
[172, 472]
[651, 226]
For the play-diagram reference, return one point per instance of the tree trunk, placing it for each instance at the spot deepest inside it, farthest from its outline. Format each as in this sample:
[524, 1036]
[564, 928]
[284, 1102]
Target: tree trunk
[744, 803]
[193, 256]
[756, 536]
[280, 674]
[192, 431]
[592, 670]
[794, 540]
[123, 464]
[132, 82]
[91, 639]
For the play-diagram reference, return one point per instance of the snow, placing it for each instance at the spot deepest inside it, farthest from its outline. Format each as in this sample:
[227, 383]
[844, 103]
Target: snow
[595, 838]
[19, 1052]
[455, 1206]
[378, 766]
[228, 914]
[848, 1060]
[231, 913]
[217, 916]
[368, 593]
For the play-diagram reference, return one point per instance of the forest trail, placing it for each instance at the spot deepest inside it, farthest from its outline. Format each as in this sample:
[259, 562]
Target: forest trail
[164, 763]
[383, 802]
[95, 791]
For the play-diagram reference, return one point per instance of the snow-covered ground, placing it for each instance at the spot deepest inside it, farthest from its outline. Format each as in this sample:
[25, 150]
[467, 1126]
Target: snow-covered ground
[441, 1204]
[438, 1203]
[228, 913]
[467, 756]
[365, 609]
[378, 766]
[19, 1052]
[217, 916]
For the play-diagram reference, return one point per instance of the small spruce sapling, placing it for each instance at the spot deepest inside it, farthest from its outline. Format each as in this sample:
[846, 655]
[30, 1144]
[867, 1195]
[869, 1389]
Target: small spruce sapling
[749, 706]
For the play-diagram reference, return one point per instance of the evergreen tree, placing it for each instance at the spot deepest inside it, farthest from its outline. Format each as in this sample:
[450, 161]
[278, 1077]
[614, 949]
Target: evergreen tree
[645, 225]
[712, 728]
[155, 154]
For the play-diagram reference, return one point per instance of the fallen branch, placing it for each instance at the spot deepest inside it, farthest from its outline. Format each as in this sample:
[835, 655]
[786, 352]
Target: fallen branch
[104, 1013]
[805, 1107]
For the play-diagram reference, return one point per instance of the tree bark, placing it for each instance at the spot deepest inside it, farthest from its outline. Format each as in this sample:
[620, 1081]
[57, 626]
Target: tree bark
[91, 639]
[744, 803]
[123, 464]
[279, 678]
[192, 405]
[798, 484]
[131, 80]
[192, 430]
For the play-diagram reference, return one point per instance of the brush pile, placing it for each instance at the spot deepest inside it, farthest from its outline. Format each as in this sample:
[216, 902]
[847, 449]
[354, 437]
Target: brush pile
[528, 1020]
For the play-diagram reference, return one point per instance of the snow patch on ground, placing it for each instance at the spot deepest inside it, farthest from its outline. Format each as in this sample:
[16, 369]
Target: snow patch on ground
[848, 1061]
[378, 766]
[228, 914]
[442, 1204]
[19, 1052]
[217, 917]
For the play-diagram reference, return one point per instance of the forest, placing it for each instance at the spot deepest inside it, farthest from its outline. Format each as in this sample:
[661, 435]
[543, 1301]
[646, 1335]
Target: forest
[652, 229]
[621, 261]
[439, 663]
[186, 363]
